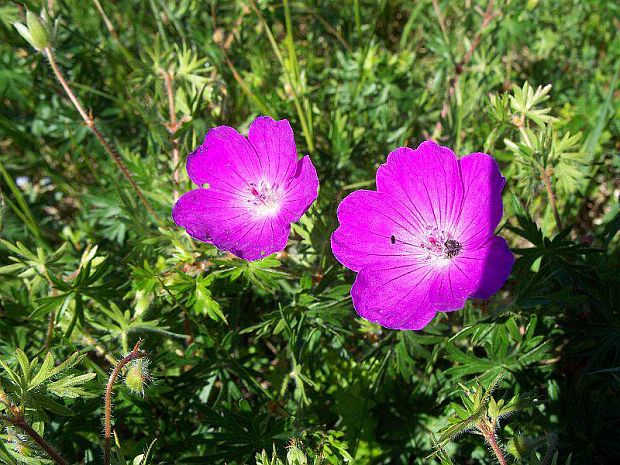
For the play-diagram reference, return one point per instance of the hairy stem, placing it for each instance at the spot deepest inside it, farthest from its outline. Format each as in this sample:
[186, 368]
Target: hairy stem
[547, 181]
[173, 126]
[90, 123]
[491, 440]
[20, 423]
[133, 355]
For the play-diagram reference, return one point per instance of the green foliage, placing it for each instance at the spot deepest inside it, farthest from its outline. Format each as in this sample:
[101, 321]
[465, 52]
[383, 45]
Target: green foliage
[33, 388]
[267, 362]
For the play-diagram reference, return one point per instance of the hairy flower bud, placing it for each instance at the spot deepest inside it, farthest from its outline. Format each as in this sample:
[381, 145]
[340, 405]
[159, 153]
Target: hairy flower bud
[137, 376]
[295, 456]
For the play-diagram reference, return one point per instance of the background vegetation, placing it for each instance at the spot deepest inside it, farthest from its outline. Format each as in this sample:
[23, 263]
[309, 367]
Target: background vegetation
[245, 357]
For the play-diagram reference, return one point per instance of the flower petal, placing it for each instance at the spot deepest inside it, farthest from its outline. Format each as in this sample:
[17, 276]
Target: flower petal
[225, 160]
[426, 181]
[301, 190]
[487, 268]
[481, 209]
[372, 229]
[216, 216]
[274, 143]
[255, 239]
[396, 298]
[189, 212]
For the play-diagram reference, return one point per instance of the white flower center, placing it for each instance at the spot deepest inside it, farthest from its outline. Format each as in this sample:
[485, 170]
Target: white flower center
[264, 199]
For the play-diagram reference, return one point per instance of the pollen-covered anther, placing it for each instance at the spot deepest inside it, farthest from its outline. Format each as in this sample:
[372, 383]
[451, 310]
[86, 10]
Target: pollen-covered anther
[439, 244]
[452, 248]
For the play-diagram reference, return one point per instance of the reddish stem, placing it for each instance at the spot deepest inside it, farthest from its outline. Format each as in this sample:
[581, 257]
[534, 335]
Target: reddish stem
[133, 355]
[90, 123]
[20, 423]
[460, 66]
[173, 126]
[491, 439]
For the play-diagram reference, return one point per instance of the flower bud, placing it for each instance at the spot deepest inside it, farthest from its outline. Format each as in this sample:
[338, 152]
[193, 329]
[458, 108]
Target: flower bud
[35, 32]
[137, 376]
[38, 32]
[295, 456]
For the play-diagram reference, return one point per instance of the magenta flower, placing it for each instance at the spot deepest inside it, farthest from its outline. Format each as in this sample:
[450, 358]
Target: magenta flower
[424, 241]
[251, 190]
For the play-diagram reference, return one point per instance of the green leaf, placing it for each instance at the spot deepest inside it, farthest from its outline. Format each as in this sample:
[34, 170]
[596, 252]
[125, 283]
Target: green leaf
[24, 364]
[49, 404]
[69, 386]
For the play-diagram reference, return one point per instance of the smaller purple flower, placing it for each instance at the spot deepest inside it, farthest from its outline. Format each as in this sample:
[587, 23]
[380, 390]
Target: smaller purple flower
[250, 190]
[424, 241]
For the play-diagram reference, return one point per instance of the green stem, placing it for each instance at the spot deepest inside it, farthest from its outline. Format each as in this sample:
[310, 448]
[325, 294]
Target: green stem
[358, 18]
[291, 75]
[556, 214]
[295, 79]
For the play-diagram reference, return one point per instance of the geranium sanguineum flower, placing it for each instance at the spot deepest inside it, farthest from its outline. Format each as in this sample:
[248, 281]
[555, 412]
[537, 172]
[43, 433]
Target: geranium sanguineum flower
[424, 241]
[250, 190]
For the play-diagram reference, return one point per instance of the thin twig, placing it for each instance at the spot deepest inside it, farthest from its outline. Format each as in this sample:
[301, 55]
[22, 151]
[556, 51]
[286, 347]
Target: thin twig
[442, 23]
[544, 175]
[172, 127]
[133, 355]
[486, 19]
[21, 423]
[90, 123]
[460, 66]
[108, 24]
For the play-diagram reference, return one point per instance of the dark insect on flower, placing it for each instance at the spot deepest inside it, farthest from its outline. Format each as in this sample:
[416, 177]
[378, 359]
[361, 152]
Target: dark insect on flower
[452, 248]
[446, 250]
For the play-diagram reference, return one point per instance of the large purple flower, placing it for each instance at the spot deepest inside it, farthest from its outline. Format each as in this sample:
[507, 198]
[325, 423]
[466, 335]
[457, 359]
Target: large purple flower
[424, 241]
[251, 190]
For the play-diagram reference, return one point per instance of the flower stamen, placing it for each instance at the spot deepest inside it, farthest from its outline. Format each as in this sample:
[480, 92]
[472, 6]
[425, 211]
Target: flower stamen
[265, 198]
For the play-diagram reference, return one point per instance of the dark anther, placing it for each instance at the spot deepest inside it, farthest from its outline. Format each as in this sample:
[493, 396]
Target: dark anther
[392, 239]
[452, 248]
